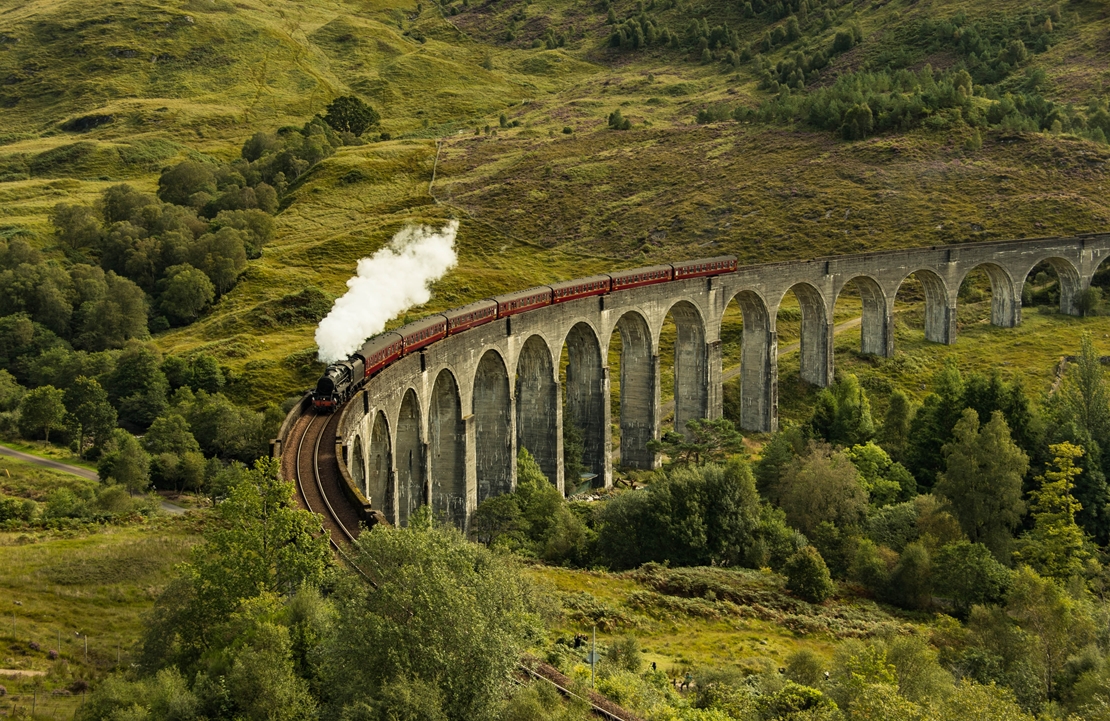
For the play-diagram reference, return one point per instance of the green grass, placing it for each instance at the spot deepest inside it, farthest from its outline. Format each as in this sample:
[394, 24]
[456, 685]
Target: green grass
[59, 587]
[747, 622]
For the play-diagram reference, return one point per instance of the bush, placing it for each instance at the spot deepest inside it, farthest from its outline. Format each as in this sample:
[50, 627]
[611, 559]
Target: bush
[807, 576]
[350, 114]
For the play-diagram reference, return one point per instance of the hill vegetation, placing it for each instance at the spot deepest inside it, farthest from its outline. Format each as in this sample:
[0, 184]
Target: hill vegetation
[185, 186]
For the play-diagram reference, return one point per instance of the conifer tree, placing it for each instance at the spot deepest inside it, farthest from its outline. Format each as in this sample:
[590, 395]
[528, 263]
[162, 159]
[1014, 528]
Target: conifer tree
[1055, 545]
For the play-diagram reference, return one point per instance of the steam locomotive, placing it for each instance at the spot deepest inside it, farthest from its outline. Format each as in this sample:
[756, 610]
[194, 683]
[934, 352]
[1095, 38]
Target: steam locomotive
[343, 379]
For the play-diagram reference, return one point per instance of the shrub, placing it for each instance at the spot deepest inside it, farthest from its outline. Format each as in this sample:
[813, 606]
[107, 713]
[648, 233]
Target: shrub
[807, 576]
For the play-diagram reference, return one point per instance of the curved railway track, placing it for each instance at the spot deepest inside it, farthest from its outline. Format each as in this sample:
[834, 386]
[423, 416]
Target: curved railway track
[316, 473]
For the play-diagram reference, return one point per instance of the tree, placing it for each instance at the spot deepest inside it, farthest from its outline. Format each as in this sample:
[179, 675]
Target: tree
[967, 574]
[821, 486]
[842, 415]
[933, 422]
[911, 582]
[351, 115]
[618, 121]
[574, 449]
[88, 403]
[885, 481]
[895, 432]
[125, 462]
[41, 411]
[263, 545]
[1056, 546]
[453, 615]
[188, 183]
[704, 441]
[137, 386]
[187, 292]
[76, 226]
[114, 318]
[982, 481]
[1088, 301]
[10, 391]
[1084, 394]
[1059, 623]
[807, 576]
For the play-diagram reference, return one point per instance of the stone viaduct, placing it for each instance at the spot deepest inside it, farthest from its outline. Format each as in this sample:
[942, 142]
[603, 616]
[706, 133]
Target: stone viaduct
[443, 426]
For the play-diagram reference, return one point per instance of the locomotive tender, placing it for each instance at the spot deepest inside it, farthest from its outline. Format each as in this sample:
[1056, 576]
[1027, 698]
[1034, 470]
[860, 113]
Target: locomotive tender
[343, 378]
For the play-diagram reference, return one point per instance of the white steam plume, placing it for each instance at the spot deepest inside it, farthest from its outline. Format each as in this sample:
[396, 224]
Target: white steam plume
[391, 281]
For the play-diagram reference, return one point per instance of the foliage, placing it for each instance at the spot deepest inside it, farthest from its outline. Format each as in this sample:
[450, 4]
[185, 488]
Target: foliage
[41, 411]
[821, 486]
[842, 415]
[454, 615]
[705, 441]
[807, 576]
[884, 480]
[967, 574]
[88, 405]
[692, 516]
[1055, 547]
[349, 114]
[982, 481]
[533, 519]
[261, 548]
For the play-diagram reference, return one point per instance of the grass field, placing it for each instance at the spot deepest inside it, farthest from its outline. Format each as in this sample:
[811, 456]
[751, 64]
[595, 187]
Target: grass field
[747, 622]
[62, 588]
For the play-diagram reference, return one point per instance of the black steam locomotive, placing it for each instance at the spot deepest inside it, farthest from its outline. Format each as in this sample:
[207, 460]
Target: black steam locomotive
[342, 379]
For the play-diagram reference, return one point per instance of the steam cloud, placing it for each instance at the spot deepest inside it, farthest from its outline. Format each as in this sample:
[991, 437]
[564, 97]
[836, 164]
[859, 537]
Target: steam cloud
[391, 281]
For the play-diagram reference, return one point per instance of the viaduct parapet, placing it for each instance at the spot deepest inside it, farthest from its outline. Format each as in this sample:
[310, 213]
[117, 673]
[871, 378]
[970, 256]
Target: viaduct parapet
[443, 426]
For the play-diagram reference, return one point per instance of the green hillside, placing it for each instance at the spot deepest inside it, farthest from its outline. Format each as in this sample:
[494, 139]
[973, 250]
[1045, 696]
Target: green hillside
[735, 141]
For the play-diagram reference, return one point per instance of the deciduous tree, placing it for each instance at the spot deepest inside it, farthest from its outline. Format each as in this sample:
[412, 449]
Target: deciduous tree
[982, 481]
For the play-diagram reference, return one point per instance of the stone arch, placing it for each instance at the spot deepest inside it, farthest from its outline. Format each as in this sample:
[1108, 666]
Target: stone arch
[1005, 302]
[493, 441]
[447, 451]
[875, 336]
[691, 365]
[379, 471]
[537, 398]
[816, 356]
[1070, 282]
[586, 396]
[411, 493]
[639, 391]
[358, 462]
[758, 373]
[939, 316]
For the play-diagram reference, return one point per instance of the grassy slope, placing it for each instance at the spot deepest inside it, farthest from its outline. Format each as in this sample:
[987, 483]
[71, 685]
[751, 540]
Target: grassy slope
[198, 77]
[89, 580]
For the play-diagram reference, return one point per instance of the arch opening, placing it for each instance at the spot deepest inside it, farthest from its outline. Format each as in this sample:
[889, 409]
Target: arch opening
[806, 320]
[1053, 282]
[537, 406]
[926, 287]
[634, 392]
[751, 388]
[861, 300]
[987, 279]
[410, 459]
[493, 441]
[585, 420]
[447, 451]
[379, 472]
[684, 365]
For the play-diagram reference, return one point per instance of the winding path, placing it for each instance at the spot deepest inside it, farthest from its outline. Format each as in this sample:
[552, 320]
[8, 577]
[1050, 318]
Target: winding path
[171, 508]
